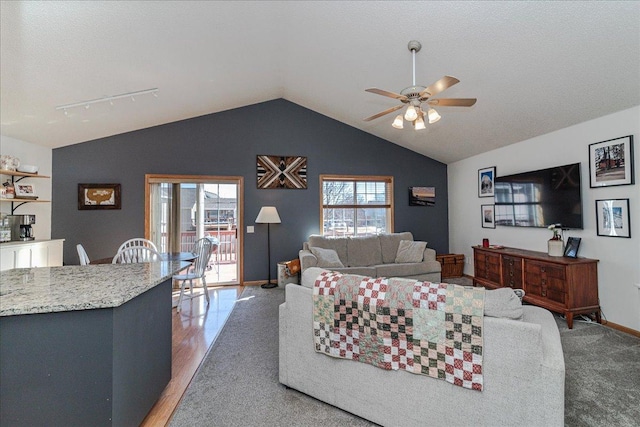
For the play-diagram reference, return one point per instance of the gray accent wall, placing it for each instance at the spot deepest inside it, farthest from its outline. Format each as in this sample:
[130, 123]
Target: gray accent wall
[227, 143]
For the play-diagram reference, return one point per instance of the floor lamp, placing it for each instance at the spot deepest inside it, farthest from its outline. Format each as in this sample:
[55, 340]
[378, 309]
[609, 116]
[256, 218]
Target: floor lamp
[268, 215]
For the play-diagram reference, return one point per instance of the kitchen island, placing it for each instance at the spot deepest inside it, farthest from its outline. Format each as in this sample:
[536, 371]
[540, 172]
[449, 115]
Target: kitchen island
[84, 345]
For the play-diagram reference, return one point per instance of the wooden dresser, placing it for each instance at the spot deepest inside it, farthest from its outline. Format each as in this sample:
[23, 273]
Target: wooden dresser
[560, 284]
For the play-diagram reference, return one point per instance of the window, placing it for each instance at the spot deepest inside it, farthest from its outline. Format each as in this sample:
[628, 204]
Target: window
[356, 205]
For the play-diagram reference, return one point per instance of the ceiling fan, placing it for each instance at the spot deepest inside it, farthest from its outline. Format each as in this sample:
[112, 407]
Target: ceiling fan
[414, 96]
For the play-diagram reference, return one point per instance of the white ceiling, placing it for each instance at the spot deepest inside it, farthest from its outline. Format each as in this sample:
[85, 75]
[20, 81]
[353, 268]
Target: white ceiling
[535, 67]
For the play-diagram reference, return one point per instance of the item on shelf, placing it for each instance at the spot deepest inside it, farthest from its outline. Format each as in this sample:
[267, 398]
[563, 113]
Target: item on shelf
[9, 163]
[28, 168]
[5, 230]
[25, 191]
[485, 243]
[9, 190]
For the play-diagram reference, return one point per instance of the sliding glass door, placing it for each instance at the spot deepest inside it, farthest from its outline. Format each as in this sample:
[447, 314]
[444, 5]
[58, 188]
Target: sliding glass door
[181, 209]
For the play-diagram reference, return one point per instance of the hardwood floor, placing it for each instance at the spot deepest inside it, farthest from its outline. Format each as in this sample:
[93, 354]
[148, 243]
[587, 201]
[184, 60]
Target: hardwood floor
[194, 329]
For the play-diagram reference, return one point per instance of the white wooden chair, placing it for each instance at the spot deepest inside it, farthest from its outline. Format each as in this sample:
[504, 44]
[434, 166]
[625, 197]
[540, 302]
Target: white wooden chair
[138, 241]
[202, 249]
[135, 254]
[82, 254]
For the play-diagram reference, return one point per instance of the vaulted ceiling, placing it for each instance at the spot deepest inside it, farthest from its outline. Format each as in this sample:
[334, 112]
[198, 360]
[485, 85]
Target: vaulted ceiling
[535, 67]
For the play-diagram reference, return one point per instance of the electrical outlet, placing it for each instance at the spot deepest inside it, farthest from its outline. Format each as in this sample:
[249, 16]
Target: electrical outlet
[249, 228]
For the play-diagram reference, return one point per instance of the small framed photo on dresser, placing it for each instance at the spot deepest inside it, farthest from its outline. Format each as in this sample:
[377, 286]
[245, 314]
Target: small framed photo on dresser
[571, 249]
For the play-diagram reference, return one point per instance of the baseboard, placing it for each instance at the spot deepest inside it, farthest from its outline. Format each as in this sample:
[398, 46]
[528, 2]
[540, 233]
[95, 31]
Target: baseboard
[621, 328]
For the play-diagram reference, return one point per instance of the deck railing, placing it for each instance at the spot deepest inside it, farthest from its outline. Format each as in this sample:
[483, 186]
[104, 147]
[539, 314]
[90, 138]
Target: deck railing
[226, 251]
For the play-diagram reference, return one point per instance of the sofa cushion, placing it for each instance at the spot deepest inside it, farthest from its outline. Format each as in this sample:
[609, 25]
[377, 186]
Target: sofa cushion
[409, 251]
[363, 251]
[360, 271]
[327, 258]
[502, 302]
[339, 245]
[403, 269]
[389, 244]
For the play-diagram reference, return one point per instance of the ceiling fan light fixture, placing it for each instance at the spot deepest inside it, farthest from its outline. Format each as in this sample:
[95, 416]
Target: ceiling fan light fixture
[433, 116]
[419, 123]
[398, 122]
[411, 113]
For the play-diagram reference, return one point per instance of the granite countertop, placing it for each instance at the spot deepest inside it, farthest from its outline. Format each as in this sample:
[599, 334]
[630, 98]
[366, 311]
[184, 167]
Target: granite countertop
[75, 287]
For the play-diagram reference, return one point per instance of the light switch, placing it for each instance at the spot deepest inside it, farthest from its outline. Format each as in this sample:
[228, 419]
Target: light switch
[249, 228]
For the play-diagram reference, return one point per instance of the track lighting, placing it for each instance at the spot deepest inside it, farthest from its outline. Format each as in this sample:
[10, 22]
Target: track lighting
[108, 99]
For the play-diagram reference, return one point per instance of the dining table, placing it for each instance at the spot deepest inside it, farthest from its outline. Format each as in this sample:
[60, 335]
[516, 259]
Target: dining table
[164, 256]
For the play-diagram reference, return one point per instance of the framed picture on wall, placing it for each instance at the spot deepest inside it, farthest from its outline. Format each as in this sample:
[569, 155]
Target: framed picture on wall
[613, 219]
[99, 196]
[486, 180]
[422, 196]
[611, 162]
[288, 172]
[488, 216]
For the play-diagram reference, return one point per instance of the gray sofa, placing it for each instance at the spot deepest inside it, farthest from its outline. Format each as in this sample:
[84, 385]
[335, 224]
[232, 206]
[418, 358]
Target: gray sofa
[373, 256]
[523, 372]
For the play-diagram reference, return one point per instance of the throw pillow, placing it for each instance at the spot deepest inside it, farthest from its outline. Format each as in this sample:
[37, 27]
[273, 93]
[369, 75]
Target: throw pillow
[327, 258]
[410, 251]
[503, 302]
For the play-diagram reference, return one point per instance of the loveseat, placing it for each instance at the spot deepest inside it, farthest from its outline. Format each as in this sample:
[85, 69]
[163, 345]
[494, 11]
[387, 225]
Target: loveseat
[523, 371]
[383, 255]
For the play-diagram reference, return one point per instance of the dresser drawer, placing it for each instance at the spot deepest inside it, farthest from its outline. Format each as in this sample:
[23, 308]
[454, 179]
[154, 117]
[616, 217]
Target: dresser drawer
[545, 280]
[512, 271]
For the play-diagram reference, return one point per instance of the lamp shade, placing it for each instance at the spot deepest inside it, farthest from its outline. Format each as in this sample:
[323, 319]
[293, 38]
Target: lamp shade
[268, 215]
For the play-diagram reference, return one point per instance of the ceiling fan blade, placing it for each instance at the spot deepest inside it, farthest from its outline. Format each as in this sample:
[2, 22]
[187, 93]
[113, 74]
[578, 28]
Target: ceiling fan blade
[382, 113]
[452, 102]
[444, 83]
[386, 93]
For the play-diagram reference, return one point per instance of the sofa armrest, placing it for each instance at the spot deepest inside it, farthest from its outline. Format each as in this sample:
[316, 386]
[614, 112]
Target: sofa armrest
[429, 260]
[429, 254]
[307, 259]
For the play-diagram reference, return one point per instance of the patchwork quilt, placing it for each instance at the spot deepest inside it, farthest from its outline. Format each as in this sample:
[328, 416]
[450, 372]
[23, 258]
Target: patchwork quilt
[433, 329]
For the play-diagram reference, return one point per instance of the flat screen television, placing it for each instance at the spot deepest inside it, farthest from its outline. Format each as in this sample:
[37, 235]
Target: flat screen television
[540, 198]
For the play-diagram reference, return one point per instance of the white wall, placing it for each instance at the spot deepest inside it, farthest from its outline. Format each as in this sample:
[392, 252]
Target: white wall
[32, 154]
[619, 266]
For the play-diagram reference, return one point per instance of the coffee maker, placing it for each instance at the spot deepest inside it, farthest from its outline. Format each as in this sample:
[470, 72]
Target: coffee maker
[21, 227]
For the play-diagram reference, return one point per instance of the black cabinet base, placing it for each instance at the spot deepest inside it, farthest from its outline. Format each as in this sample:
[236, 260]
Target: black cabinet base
[89, 367]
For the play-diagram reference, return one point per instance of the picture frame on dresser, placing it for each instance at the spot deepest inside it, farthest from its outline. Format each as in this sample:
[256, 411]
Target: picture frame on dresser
[486, 181]
[571, 249]
[611, 162]
[488, 216]
[613, 218]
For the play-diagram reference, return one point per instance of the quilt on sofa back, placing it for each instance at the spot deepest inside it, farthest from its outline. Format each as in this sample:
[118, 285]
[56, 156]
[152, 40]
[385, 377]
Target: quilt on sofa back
[433, 329]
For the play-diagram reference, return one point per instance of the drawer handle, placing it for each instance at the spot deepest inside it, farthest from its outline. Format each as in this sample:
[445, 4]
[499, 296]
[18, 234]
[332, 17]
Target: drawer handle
[544, 281]
[543, 269]
[511, 262]
[544, 293]
[511, 273]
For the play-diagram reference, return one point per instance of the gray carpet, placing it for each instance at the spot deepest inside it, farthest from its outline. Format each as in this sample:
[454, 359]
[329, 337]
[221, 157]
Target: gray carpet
[237, 384]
